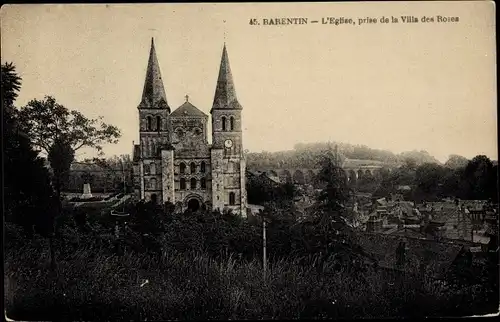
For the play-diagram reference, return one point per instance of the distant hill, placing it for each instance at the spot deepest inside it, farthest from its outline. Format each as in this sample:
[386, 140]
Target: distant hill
[308, 155]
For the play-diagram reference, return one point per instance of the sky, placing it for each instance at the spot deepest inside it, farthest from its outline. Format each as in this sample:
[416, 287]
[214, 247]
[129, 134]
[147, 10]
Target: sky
[395, 86]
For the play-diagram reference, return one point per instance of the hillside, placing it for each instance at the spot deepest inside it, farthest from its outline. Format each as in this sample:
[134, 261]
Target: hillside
[307, 155]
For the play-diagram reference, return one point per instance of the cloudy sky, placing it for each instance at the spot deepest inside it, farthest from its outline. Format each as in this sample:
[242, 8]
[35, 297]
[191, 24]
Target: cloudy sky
[398, 86]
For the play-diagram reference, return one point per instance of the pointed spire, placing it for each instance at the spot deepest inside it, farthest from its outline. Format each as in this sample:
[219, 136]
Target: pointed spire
[153, 95]
[225, 93]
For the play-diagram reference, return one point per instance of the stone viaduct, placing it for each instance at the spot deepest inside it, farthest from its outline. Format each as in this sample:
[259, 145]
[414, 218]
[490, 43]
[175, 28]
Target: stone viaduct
[354, 171]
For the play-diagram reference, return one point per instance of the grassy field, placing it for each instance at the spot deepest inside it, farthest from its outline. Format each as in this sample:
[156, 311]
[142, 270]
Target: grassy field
[92, 283]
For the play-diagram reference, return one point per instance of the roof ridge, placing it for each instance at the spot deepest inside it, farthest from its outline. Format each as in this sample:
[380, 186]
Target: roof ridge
[188, 109]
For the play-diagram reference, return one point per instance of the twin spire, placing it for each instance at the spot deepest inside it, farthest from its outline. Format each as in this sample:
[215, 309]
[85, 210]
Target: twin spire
[153, 94]
[225, 93]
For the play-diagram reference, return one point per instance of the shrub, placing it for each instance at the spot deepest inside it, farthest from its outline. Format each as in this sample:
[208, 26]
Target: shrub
[208, 266]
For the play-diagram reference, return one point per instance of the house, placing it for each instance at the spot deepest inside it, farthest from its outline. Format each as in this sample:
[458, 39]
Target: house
[262, 178]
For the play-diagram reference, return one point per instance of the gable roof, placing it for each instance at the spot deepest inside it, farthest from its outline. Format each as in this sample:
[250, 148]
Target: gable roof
[261, 177]
[188, 110]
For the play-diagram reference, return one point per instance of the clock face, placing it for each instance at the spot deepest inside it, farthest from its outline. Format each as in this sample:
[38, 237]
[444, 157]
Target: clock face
[228, 143]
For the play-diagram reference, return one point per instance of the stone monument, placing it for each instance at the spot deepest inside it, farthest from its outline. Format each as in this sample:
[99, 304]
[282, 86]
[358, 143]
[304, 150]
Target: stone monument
[86, 191]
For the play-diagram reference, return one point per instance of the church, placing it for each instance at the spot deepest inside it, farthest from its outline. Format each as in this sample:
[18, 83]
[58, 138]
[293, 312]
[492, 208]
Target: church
[174, 162]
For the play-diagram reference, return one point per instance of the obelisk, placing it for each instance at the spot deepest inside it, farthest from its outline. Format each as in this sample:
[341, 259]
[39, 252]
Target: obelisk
[86, 191]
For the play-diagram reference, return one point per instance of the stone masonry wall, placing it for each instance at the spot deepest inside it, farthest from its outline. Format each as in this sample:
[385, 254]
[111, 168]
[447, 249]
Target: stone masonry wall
[217, 179]
[167, 171]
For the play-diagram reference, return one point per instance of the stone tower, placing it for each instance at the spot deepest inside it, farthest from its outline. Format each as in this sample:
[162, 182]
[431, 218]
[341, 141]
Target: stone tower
[227, 158]
[153, 129]
[174, 162]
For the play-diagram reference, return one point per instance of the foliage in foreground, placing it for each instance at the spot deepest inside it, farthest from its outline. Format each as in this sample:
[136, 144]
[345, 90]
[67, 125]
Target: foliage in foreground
[93, 283]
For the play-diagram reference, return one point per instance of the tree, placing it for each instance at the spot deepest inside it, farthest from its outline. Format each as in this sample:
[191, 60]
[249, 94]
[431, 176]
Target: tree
[335, 193]
[60, 156]
[11, 84]
[46, 121]
[418, 157]
[456, 161]
[404, 175]
[330, 207]
[60, 132]
[329, 229]
[429, 178]
[493, 184]
[453, 184]
[27, 189]
[28, 194]
[480, 177]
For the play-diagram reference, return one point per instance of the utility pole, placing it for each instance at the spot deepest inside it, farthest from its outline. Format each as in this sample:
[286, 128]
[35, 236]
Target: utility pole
[123, 175]
[264, 246]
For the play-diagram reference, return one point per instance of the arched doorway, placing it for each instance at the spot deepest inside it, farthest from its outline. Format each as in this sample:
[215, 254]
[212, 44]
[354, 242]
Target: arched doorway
[193, 204]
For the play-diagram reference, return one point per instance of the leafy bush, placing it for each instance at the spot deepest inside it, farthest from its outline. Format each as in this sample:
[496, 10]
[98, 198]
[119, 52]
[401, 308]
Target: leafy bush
[208, 266]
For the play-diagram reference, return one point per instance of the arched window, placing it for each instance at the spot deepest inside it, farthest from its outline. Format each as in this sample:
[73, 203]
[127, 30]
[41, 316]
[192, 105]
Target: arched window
[153, 168]
[203, 183]
[223, 123]
[146, 169]
[202, 167]
[193, 167]
[183, 184]
[193, 183]
[158, 123]
[152, 184]
[182, 168]
[232, 198]
[231, 123]
[150, 120]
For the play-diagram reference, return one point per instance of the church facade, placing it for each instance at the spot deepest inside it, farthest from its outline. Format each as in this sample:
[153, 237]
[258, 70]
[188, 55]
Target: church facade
[174, 162]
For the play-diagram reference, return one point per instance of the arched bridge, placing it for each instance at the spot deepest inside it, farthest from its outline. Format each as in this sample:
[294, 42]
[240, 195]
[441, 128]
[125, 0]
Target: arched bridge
[301, 175]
